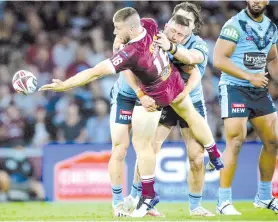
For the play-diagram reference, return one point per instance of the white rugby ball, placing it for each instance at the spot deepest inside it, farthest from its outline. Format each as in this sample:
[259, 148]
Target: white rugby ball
[24, 82]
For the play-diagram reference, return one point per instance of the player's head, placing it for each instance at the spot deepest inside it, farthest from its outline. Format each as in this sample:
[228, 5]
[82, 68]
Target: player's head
[256, 7]
[126, 23]
[191, 12]
[177, 29]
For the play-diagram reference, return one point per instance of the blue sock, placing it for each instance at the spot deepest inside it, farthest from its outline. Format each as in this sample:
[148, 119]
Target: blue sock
[265, 190]
[194, 200]
[224, 195]
[134, 189]
[117, 194]
[139, 190]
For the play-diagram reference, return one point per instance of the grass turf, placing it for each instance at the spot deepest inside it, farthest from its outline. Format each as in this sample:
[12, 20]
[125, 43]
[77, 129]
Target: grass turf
[43, 211]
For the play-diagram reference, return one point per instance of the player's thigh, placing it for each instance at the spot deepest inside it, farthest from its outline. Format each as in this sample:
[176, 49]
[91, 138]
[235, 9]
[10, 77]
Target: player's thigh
[120, 124]
[267, 128]
[195, 150]
[144, 124]
[183, 106]
[234, 101]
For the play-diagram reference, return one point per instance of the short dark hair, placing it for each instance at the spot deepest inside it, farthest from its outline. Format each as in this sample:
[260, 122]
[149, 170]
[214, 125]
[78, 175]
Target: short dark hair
[190, 7]
[124, 13]
[180, 20]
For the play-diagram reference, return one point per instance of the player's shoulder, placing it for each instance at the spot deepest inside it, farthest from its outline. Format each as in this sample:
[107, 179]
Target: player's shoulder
[199, 43]
[199, 40]
[149, 21]
[150, 25]
[128, 50]
[271, 23]
[232, 30]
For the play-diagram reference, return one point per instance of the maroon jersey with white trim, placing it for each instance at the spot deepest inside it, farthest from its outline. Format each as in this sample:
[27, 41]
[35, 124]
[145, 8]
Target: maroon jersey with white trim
[148, 62]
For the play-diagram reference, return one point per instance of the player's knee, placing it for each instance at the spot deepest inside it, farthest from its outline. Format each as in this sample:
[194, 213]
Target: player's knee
[235, 141]
[271, 144]
[157, 146]
[119, 151]
[196, 161]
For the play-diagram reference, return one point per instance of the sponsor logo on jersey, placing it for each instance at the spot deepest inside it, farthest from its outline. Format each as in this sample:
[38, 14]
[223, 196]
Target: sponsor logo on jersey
[254, 60]
[125, 114]
[230, 32]
[238, 108]
[202, 46]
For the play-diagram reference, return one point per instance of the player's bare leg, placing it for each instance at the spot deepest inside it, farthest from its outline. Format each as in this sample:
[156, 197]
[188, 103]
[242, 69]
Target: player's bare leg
[200, 129]
[196, 175]
[120, 143]
[235, 131]
[267, 128]
[144, 126]
[132, 199]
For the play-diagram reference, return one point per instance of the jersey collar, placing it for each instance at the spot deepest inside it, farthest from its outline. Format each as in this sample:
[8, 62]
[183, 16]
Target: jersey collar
[245, 10]
[139, 37]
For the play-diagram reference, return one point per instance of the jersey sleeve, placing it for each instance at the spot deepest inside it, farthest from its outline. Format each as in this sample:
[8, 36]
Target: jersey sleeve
[231, 31]
[202, 46]
[123, 59]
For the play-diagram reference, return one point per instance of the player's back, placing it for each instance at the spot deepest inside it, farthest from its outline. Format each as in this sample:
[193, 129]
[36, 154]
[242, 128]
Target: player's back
[253, 42]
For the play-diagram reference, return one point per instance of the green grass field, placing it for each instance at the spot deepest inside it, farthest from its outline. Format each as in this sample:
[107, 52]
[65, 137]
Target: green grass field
[102, 212]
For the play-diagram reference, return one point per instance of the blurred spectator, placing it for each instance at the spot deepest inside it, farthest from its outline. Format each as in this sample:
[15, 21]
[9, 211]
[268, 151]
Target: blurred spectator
[79, 64]
[64, 50]
[5, 97]
[12, 127]
[98, 127]
[41, 136]
[73, 128]
[42, 40]
[20, 185]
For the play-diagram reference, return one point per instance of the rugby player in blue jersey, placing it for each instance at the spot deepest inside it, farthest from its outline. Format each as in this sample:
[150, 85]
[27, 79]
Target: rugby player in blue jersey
[245, 48]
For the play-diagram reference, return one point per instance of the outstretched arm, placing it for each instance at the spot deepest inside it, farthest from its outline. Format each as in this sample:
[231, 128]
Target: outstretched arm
[82, 78]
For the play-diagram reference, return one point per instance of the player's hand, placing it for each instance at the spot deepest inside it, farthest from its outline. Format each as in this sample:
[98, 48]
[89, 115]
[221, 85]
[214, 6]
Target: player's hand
[187, 68]
[57, 85]
[118, 44]
[259, 80]
[148, 103]
[163, 42]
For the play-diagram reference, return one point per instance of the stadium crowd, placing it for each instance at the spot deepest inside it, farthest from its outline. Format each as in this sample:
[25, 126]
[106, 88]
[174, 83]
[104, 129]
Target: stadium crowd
[58, 39]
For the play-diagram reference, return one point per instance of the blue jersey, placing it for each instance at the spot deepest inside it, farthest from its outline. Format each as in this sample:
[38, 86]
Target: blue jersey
[253, 42]
[121, 86]
[195, 42]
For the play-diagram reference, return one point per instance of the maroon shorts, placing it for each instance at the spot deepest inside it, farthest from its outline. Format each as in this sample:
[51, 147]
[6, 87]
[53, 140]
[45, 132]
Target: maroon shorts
[165, 92]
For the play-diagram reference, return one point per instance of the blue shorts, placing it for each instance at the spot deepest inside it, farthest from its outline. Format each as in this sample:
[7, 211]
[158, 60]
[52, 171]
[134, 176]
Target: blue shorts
[242, 101]
[170, 118]
[121, 109]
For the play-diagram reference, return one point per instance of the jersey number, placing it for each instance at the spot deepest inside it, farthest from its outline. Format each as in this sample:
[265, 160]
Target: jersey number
[161, 64]
[117, 60]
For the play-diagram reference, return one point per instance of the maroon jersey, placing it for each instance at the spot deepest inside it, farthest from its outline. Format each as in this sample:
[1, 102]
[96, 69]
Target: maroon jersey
[157, 76]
